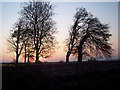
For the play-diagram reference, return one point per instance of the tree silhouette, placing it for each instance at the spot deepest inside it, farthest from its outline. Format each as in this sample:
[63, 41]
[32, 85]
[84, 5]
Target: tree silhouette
[15, 39]
[71, 41]
[91, 36]
[39, 16]
[27, 41]
[74, 33]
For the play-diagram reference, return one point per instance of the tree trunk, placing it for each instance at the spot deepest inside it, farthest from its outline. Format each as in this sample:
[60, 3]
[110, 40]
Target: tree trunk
[67, 57]
[17, 53]
[37, 56]
[25, 53]
[17, 57]
[80, 47]
[18, 35]
[80, 53]
[37, 49]
[28, 58]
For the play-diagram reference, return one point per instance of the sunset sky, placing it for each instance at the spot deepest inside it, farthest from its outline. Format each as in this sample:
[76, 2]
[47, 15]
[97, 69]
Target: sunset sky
[107, 12]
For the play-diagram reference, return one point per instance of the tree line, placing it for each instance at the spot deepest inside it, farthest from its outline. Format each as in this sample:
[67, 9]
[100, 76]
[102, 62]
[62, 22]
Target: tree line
[33, 34]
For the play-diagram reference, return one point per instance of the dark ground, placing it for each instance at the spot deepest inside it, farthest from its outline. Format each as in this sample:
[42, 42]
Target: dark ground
[58, 76]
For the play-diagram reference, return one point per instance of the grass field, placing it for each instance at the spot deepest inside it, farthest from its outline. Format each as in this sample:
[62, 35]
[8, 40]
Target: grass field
[58, 76]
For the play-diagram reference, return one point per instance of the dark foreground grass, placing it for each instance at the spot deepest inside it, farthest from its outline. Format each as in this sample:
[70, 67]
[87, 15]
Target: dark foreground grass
[32, 77]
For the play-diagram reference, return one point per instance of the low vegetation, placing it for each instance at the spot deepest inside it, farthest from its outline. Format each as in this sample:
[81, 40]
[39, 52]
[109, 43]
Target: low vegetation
[61, 75]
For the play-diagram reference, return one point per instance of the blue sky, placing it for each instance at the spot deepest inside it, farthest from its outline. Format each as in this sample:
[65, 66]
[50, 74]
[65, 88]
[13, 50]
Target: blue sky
[107, 12]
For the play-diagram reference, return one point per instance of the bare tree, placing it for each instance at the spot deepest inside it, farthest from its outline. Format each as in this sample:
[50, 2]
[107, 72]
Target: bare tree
[28, 43]
[15, 39]
[74, 33]
[39, 16]
[30, 51]
[27, 39]
[93, 36]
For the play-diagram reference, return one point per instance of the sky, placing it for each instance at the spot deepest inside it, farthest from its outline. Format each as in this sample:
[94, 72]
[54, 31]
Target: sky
[107, 12]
